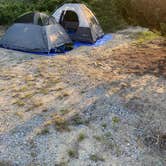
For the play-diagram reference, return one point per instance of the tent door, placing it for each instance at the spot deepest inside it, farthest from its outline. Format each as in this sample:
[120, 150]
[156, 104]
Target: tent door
[69, 20]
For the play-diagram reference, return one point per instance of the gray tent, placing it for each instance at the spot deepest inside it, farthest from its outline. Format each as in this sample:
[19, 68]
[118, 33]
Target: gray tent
[79, 22]
[35, 32]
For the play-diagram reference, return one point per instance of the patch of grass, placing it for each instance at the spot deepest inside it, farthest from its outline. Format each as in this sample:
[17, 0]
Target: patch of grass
[81, 137]
[83, 91]
[43, 131]
[64, 111]
[116, 120]
[73, 153]
[48, 123]
[145, 36]
[44, 91]
[108, 135]
[26, 95]
[98, 138]
[104, 125]
[60, 123]
[103, 137]
[96, 158]
[33, 154]
[6, 163]
[77, 120]
[23, 89]
[108, 141]
[62, 164]
[19, 102]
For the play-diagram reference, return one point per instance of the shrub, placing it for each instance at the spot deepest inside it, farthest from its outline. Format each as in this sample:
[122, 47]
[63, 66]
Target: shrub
[112, 14]
[107, 14]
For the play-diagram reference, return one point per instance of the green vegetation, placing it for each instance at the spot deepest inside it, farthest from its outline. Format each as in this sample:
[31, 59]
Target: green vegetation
[60, 123]
[108, 141]
[112, 14]
[107, 14]
[142, 37]
[96, 158]
[64, 111]
[43, 131]
[77, 120]
[115, 120]
[73, 153]
[104, 125]
[81, 137]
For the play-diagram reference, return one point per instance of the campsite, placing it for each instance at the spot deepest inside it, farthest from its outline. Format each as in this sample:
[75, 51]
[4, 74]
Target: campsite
[78, 90]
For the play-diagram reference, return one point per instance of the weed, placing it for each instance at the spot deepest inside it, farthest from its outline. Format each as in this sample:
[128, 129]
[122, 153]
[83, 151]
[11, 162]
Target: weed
[98, 138]
[109, 142]
[23, 89]
[115, 120]
[43, 131]
[108, 135]
[62, 164]
[73, 153]
[104, 125]
[48, 123]
[26, 95]
[145, 36]
[33, 154]
[83, 91]
[19, 102]
[77, 120]
[81, 137]
[6, 163]
[64, 111]
[60, 123]
[44, 91]
[96, 158]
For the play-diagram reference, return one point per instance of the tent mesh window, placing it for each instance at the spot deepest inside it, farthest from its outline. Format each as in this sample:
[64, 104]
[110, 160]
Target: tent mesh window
[36, 18]
[69, 20]
[28, 18]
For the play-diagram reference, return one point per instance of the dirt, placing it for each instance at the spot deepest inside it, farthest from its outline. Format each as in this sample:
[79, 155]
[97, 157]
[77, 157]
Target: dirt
[93, 106]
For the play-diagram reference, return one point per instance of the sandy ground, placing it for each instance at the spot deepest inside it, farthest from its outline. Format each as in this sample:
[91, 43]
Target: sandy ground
[100, 106]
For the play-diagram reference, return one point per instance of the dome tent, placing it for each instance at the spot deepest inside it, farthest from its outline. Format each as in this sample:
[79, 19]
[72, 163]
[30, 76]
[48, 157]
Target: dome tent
[79, 22]
[36, 32]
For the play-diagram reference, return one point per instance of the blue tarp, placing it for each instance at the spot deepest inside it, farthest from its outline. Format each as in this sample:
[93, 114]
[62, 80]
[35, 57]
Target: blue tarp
[106, 38]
